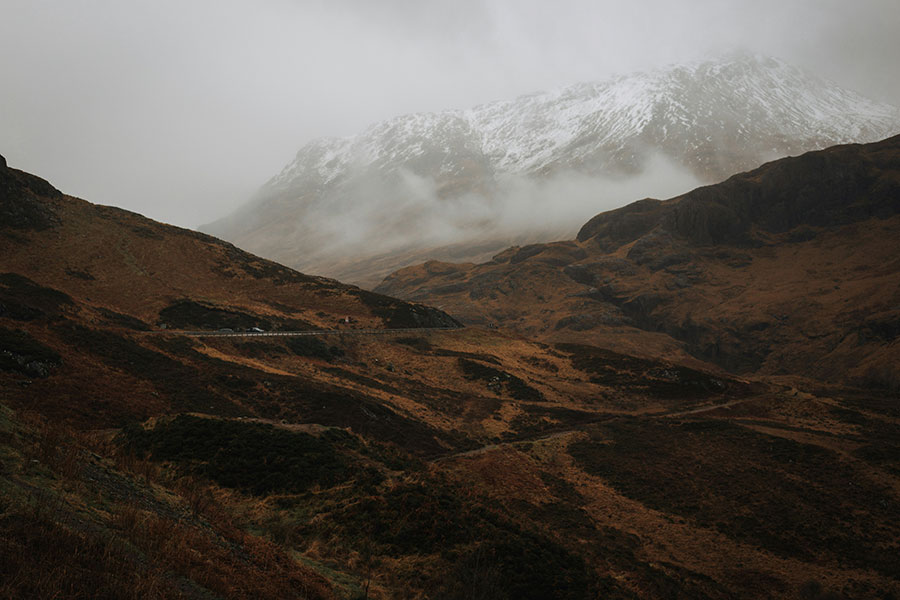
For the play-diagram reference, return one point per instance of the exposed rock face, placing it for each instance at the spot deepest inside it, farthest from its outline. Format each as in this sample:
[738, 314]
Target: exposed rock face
[400, 182]
[20, 207]
[790, 268]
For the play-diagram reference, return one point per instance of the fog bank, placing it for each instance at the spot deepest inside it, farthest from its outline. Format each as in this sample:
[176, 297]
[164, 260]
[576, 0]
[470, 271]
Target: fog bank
[371, 215]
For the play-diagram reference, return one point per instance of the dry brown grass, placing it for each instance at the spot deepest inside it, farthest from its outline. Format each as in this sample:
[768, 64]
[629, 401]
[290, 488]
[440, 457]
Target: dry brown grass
[68, 536]
[43, 557]
[55, 445]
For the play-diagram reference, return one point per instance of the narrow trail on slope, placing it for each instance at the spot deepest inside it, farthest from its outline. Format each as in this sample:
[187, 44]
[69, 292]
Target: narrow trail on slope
[544, 436]
[703, 409]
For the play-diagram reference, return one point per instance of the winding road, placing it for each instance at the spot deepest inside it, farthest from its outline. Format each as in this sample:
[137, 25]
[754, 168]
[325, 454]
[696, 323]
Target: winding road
[199, 334]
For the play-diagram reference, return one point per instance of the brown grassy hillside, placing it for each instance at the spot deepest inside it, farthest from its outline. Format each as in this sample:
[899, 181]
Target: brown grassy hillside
[789, 269]
[461, 463]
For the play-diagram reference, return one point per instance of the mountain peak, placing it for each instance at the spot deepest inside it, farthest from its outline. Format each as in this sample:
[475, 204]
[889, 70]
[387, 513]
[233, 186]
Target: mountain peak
[424, 180]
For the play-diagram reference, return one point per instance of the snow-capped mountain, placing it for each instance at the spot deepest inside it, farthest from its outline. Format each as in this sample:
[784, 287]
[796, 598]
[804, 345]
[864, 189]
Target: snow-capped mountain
[409, 185]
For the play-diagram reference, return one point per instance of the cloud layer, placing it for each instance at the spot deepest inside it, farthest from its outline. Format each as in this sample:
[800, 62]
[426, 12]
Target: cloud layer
[372, 215]
[181, 110]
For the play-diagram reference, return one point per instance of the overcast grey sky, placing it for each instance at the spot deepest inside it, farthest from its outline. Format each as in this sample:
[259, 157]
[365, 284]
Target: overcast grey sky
[181, 109]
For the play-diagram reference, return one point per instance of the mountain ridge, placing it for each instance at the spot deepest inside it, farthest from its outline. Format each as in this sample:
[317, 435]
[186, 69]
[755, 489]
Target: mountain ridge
[768, 268]
[503, 128]
[459, 169]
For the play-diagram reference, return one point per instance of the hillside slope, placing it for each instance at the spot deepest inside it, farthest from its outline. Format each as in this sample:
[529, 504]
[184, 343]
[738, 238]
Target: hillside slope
[788, 269]
[113, 259]
[141, 462]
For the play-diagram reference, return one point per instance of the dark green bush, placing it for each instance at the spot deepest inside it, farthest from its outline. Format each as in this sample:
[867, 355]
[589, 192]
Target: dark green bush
[254, 457]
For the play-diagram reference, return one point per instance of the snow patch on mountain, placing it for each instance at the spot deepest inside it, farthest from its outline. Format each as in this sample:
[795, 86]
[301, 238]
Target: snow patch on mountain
[545, 161]
[687, 107]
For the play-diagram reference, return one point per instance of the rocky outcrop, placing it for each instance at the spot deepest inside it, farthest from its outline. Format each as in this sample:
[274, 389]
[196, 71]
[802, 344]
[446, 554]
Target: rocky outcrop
[20, 205]
[21, 353]
[403, 315]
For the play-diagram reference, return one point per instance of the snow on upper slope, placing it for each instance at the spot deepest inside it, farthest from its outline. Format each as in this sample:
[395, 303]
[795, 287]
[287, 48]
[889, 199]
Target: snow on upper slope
[536, 167]
[683, 110]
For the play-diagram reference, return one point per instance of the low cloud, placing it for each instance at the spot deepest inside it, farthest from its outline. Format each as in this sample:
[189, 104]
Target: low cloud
[372, 214]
